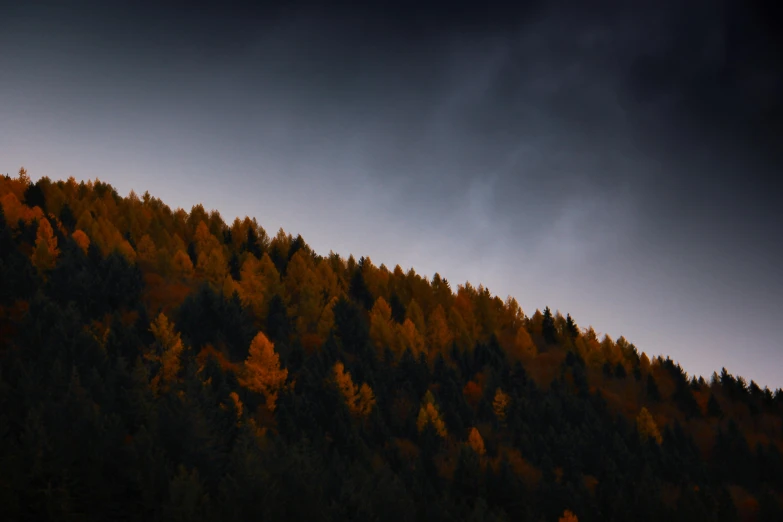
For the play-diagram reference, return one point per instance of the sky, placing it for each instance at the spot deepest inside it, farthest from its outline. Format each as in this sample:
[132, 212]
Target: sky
[617, 161]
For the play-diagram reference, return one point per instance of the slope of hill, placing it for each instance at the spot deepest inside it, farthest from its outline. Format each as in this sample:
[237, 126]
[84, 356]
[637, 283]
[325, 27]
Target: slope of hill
[157, 364]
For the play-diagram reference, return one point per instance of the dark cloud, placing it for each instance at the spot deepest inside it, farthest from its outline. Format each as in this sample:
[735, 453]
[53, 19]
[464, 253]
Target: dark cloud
[617, 160]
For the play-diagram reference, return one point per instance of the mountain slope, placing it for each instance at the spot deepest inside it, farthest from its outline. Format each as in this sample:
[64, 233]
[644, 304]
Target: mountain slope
[157, 364]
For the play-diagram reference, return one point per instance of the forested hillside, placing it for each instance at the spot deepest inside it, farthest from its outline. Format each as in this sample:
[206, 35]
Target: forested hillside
[159, 364]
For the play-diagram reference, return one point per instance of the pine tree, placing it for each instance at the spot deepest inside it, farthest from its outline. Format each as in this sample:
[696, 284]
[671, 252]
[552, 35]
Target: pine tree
[548, 327]
[573, 329]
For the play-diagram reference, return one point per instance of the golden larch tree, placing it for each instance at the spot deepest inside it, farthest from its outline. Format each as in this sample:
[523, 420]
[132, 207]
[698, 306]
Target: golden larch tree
[230, 286]
[568, 516]
[238, 405]
[301, 289]
[260, 280]
[381, 327]
[326, 320]
[46, 251]
[146, 252]
[414, 313]
[647, 427]
[500, 405]
[429, 414]
[462, 336]
[16, 211]
[409, 338]
[439, 335]
[476, 442]
[182, 265]
[167, 351]
[81, 239]
[360, 399]
[262, 372]
[523, 348]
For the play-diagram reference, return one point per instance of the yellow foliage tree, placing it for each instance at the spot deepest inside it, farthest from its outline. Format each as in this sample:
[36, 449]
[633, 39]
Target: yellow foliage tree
[462, 336]
[262, 372]
[16, 211]
[476, 442]
[381, 326]
[644, 364]
[167, 352]
[146, 252]
[237, 403]
[46, 251]
[410, 338]
[81, 239]
[647, 427]
[212, 266]
[229, 286]
[414, 313]
[302, 290]
[326, 321]
[500, 405]
[260, 280]
[430, 415]
[439, 335]
[524, 348]
[568, 516]
[182, 265]
[360, 399]
[126, 249]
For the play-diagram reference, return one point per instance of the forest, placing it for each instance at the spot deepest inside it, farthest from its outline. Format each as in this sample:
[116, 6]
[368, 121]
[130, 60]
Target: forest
[160, 364]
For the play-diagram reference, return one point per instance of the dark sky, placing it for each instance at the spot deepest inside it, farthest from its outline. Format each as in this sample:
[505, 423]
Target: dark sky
[616, 160]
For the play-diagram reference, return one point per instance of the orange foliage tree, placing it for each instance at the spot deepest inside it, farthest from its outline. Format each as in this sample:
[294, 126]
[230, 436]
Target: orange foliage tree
[476, 442]
[262, 372]
[81, 239]
[429, 414]
[167, 352]
[647, 427]
[568, 516]
[360, 399]
[500, 405]
[46, 251]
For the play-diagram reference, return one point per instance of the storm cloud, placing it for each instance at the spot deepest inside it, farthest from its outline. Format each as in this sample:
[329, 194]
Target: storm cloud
[618, 162]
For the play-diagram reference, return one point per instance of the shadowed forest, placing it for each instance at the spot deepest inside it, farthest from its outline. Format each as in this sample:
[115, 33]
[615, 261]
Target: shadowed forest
[159, 364]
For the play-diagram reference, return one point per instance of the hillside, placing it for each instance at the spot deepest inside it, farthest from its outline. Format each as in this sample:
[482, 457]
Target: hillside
[158, 364]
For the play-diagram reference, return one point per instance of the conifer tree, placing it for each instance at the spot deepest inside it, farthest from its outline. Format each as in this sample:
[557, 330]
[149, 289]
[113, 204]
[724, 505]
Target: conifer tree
[262, 372]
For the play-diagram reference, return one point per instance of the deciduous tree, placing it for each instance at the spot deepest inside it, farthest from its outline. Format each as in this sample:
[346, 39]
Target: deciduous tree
[262, 372]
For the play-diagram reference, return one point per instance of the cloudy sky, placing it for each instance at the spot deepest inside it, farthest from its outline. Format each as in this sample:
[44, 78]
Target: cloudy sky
[616, 162]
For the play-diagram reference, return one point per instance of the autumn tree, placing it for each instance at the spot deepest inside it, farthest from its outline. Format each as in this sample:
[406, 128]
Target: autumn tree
[182, 265]
[46, 251]
[382, 326]
[301, 289]
[524, 348]
[211, 262]
[476, 442]
[414, 313]
[81, 239]
[429, 414]
[500, 405]
[568, 516]
[360, 399]
[146, 252]
[439, 335]
[167, 352]
[260, 281]
[262, 372]
[647, 427]
[410, 338]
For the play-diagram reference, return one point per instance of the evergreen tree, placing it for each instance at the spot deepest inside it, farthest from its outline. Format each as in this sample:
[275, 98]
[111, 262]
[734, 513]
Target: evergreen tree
[548, 327]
